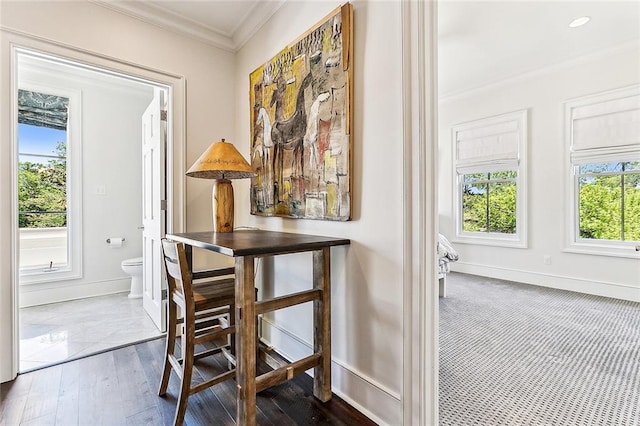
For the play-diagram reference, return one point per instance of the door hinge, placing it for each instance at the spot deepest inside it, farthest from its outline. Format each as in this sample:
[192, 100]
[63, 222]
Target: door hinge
[165, 294]
[163, 115]
[163, 205]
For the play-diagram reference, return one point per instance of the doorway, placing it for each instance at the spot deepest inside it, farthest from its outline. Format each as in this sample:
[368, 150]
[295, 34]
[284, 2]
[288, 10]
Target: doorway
[543, 70]
[73, 291]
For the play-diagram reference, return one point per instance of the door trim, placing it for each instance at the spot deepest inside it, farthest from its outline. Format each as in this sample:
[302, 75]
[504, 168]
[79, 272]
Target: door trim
[420, 222]
[176, 147]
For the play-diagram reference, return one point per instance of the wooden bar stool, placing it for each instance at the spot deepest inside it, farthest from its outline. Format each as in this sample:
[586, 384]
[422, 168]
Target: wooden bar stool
[204, 307]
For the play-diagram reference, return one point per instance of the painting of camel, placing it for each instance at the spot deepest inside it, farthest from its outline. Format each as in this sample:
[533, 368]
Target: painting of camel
[301, 124]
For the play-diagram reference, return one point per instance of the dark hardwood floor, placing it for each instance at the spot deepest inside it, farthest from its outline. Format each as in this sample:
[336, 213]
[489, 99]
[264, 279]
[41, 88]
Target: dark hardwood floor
[120, 388]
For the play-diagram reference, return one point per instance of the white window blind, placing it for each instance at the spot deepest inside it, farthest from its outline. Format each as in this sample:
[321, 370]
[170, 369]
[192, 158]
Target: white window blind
[605, 127]
[490, 144]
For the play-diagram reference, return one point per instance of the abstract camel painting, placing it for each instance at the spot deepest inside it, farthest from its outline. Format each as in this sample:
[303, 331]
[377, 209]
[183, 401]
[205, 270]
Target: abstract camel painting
[301, 120]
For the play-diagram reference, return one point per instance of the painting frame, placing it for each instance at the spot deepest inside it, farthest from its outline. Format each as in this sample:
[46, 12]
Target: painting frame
[301, 121]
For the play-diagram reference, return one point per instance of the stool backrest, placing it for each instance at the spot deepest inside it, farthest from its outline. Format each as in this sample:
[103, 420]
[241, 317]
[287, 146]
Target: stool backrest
[178, 273]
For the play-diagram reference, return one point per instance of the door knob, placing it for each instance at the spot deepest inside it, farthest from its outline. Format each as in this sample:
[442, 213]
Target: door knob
[141, 227]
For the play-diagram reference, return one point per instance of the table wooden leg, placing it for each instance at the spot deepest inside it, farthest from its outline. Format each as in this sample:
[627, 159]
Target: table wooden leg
[245, 341]
[322, 324]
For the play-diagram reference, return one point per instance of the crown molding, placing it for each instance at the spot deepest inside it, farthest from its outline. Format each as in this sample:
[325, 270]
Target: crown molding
[169, 21]
[253, 21]
[255, 18]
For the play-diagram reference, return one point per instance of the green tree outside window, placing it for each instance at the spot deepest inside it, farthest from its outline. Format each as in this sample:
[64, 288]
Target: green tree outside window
[609, 201]
[489, 202]
[42, 191]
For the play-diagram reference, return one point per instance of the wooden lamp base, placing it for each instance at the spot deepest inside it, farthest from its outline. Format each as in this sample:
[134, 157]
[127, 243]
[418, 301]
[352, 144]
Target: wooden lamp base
[222, 203]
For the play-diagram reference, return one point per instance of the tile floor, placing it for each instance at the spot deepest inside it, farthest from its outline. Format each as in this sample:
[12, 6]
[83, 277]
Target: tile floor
[61, 331]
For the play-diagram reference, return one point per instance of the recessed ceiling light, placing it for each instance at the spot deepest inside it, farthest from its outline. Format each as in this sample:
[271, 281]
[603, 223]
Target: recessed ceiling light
[578, 22]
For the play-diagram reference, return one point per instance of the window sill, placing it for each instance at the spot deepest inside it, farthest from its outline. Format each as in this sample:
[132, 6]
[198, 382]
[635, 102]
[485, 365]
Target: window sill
[628, 252]
[34, 277]
[495, 240]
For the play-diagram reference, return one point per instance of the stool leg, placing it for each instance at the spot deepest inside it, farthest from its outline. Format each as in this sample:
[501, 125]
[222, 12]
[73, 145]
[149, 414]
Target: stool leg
[187, 369]
[232, 321]
[169, 349]
[257, 337]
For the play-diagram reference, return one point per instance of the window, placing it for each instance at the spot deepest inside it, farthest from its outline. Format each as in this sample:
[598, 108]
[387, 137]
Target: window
[48, 185]
[604, 153]
[489, 202]
[609, 201]
[42, 196]
[490, 180]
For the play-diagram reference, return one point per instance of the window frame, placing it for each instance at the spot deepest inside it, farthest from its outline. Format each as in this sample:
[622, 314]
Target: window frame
[73, 269]
[602, 154]
[519, 238]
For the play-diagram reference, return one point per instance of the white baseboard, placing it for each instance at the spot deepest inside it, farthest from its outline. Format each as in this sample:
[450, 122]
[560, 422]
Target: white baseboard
[374, 400]
[580, 285]
[41, 294]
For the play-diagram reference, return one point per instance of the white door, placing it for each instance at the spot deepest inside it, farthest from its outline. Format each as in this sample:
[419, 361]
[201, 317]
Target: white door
[153, 212]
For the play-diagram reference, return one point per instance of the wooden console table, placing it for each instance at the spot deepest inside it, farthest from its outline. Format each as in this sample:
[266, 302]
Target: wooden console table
[245, 246]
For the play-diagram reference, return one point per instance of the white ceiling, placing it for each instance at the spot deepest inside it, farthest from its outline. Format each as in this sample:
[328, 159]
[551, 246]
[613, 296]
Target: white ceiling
[480, 42]
[219, 16]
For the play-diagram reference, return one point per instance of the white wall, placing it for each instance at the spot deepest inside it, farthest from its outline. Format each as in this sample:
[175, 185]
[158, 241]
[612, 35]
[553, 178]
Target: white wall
[83, 28]
[111, 157]
[367, 276]
[543, 94]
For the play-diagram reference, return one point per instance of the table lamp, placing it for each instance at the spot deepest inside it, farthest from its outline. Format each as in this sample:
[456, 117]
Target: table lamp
[221, 162]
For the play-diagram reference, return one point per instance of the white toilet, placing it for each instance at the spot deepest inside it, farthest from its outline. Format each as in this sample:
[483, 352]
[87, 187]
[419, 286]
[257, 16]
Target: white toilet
[133, 267]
